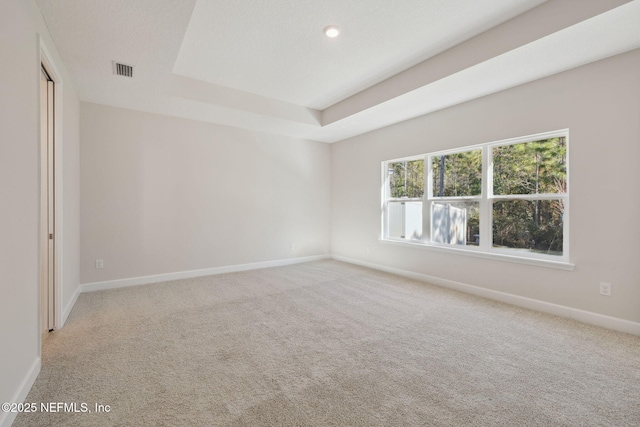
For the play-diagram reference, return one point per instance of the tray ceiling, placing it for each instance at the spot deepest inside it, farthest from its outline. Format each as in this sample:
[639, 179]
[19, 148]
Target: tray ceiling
[267, 66]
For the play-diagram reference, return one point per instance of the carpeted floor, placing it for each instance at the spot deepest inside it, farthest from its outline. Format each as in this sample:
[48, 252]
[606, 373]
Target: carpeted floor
[329, 344]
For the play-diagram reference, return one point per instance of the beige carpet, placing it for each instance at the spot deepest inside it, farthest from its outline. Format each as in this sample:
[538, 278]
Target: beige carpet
[329, 344]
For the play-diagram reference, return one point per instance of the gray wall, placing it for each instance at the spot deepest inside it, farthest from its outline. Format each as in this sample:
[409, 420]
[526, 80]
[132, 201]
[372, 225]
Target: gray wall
[163, 195]
[70, 285]
[600, 104]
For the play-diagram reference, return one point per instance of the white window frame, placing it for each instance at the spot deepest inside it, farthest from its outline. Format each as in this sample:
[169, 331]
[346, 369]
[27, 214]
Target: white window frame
[485, 248]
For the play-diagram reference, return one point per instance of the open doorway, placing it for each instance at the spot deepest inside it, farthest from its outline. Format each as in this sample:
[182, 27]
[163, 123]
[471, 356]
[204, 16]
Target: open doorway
[47, 201]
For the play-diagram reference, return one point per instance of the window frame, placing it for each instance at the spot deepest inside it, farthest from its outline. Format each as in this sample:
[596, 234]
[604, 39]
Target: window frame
[485, 249]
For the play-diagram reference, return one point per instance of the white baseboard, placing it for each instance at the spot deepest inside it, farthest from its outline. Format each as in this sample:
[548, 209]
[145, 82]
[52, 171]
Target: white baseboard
[533, 304]
[69, 307]
[144, 280]
[7, 418]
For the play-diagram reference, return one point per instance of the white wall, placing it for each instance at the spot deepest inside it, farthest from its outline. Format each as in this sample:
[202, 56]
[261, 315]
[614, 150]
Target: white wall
[20, 25]
[163, 195]
[600, 104]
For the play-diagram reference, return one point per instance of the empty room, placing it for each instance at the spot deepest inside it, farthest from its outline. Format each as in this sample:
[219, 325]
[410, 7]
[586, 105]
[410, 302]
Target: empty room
[320, 213]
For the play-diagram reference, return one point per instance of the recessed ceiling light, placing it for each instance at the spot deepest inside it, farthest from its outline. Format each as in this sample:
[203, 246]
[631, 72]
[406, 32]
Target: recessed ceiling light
[331, 31]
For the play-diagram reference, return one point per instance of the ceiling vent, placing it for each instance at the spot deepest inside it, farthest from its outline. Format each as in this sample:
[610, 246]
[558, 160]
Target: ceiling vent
[120, 69]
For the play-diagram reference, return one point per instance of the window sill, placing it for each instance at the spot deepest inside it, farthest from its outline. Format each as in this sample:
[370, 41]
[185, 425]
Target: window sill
[560, 265]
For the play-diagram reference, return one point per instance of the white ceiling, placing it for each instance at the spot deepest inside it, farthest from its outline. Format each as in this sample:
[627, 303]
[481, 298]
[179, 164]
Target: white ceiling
[267, 66]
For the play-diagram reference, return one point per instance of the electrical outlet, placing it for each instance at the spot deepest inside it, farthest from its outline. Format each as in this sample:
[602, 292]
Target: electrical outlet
[605, 289]
[368, 249]
[293, 246]
[99, 263]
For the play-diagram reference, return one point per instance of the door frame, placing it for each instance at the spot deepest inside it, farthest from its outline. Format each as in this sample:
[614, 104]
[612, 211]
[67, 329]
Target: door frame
[45, 61]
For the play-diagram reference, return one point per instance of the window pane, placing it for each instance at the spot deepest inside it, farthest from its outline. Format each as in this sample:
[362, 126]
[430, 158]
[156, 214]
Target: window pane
[456, 223]
[406, 179]
[458, 174]
[536, 167]
[405, 220]
[529, 225]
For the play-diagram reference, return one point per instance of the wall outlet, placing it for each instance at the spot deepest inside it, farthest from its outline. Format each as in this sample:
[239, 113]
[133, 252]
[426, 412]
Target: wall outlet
[605, 289]
[99, 263]
[293, 246]
[368, 249]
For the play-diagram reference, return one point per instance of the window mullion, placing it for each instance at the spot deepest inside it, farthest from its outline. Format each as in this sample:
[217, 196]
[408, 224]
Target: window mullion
[385, 200]
[426, 204]
[485, 202]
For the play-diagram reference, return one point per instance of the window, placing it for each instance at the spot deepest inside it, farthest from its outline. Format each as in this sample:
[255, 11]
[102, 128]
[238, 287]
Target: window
[404, 202]
[454, 197]
[502, 198]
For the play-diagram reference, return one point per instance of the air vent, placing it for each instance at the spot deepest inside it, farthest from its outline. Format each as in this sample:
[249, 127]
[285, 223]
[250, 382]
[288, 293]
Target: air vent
[120, 69]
